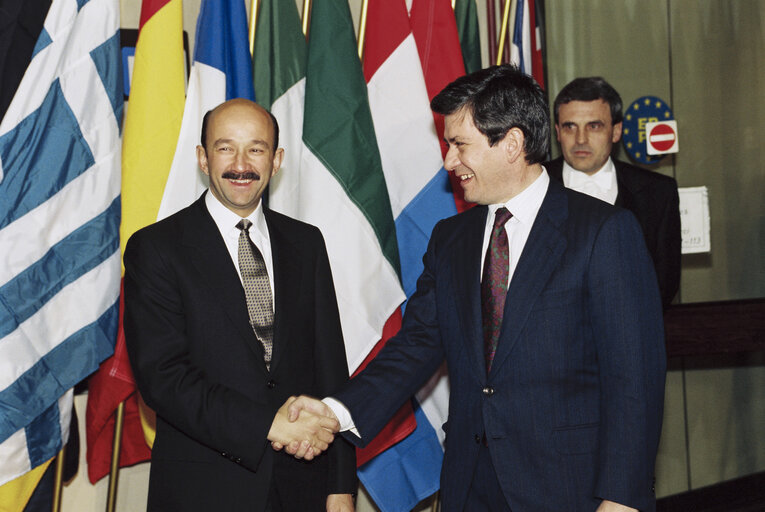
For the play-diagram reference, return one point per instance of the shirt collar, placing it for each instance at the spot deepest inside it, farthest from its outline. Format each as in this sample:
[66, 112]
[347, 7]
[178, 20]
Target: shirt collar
[525, 205]
[226, 220]
[604, 178]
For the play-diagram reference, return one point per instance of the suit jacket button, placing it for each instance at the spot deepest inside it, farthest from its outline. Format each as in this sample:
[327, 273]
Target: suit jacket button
[477, 439]
[488, 391]
[224, 454]
[271, 384]
[238, 460]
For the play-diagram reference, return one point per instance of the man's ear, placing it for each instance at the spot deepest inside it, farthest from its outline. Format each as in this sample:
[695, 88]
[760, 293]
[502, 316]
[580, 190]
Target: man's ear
[513, 144]
[278, 158]
[617, 133]
[202, 160]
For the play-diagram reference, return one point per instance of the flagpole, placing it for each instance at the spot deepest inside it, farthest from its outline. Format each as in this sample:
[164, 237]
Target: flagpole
[253, 21]
[306, 16]
[58, 477]
[503, 30]
[362, 28]
[111, 497]
[491, 25]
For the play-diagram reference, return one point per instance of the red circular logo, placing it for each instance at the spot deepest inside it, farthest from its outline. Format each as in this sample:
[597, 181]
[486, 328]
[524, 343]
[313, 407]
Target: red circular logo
[662, 137]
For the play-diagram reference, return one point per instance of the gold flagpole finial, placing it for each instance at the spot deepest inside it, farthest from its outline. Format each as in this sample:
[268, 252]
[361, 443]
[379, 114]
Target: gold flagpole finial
[306, 16]
[503, 30]
[253, 22]
[362, 27]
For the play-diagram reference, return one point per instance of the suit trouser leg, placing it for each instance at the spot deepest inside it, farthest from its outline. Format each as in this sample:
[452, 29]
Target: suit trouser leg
[485, 493]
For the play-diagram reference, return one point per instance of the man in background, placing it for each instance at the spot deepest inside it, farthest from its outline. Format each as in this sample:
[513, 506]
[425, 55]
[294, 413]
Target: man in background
[588, 122]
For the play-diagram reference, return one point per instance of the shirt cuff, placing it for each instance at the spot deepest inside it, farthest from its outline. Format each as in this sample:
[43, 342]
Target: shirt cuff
[343, 415]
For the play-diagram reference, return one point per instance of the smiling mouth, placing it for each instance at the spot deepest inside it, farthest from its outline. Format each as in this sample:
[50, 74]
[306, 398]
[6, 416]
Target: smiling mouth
[244, 177]
[464, 177]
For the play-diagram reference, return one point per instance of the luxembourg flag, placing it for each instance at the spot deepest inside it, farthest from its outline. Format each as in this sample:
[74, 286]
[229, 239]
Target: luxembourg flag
[222, 70]
[420, 196]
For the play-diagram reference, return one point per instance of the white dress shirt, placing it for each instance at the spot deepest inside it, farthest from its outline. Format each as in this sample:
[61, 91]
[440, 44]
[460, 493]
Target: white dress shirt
[226, 220]
[524, 208]
[601, 185]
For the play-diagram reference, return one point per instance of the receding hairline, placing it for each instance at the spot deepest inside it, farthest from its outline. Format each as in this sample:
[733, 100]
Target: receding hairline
[210, 115]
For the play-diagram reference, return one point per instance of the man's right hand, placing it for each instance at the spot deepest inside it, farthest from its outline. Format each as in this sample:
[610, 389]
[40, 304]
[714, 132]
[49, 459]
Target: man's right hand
[306, 433]
[297, 408]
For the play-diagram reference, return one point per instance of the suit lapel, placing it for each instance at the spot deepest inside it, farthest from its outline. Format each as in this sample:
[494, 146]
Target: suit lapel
[286, 284]
[628, 188]
[467, 276]
[540, 257]
[217, 272]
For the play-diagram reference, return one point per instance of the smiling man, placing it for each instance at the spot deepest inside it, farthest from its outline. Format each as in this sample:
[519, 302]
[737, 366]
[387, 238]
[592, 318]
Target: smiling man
[544, 304]
[229, 310]
[588, 122]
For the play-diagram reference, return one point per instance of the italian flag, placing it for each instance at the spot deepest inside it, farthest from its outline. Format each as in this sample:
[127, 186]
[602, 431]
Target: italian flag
[332, 176]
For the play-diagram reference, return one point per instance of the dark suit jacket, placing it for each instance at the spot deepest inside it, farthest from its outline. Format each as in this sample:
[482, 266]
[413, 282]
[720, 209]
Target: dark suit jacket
[653, 198]
[199, 365]
[572, 407]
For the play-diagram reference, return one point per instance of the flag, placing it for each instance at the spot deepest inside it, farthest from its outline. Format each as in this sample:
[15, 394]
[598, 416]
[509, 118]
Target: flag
[59, 223]
[332, 176]
[467, 25]
[279, 62]
[435, 31]
[420, 195]
[520, 52]
[536, 9]
[336, 184]
[526, 52]
[222, 70]
[152, 125]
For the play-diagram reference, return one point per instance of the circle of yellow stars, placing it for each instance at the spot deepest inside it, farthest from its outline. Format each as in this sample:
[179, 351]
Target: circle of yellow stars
[628, 117]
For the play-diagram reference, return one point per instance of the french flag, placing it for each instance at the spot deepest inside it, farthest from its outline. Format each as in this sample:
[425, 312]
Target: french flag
[222, 70]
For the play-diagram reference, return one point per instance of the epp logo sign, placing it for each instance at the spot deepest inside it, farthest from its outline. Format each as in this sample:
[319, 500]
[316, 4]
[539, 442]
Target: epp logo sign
[648, 112]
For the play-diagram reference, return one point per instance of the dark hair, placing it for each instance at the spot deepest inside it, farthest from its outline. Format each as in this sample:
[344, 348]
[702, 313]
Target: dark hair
[590, 88]
[206, 117]
[500, 98]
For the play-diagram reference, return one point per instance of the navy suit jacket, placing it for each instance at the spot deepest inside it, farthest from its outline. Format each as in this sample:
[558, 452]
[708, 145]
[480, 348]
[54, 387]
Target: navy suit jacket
[199, 365]
[572, 407]
[654, 200]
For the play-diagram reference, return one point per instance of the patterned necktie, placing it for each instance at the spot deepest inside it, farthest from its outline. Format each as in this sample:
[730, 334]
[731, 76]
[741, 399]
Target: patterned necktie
[494, 284]
[257, 290]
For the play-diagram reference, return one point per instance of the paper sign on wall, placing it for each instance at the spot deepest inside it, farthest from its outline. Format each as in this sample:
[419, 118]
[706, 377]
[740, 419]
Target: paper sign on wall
[694, 219]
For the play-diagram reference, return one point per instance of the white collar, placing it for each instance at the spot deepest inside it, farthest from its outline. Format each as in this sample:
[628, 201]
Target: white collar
[226, 220]
[604, 178]
[525, 205]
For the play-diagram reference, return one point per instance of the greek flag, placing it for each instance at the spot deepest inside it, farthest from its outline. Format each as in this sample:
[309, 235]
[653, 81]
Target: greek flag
[59, 227]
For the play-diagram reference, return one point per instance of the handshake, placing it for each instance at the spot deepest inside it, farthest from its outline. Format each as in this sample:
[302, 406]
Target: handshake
[303, 427]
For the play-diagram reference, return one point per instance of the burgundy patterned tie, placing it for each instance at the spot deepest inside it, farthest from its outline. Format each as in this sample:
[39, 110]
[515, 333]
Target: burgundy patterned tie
[494, 284]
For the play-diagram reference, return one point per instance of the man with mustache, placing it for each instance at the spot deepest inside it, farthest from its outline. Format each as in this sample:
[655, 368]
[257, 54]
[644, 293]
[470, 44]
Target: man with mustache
[230, 310]
[588, 122]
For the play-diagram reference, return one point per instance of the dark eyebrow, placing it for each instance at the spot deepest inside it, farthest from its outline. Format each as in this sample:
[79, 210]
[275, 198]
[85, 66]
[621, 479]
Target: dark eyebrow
[258, 142]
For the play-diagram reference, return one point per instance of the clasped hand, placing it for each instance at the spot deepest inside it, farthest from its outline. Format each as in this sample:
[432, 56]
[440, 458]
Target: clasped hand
[304, 427]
